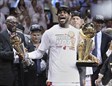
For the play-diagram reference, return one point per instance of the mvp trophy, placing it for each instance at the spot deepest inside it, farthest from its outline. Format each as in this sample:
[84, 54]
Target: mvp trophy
[85, 58]
[17, 44]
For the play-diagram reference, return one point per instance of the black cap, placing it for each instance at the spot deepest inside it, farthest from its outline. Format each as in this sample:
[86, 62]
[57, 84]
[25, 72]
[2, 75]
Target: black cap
[75, 13]
[63, 8]
[20, 26]
[98, 18]
[35, 27]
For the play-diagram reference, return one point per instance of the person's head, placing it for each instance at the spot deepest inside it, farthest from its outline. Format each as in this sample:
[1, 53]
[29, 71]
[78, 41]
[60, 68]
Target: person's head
[36, 33]
[76, 19]
[34, 2]
[27, 20]
[13, 11]
[39, 8]
[109, 23]
[20, 28]
[57, 5]
[11, 23]
[21, 2]
[88, 30]
[63, 14]
[98, 21]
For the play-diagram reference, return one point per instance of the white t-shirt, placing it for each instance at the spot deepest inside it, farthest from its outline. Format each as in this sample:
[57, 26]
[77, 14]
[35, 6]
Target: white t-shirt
[62, 43]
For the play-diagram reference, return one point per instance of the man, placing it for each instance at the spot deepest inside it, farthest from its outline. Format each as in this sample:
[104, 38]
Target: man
[36, 74]
[102, 42]
[105, 74]
[61, 40]
[6, 53]
[76, 19]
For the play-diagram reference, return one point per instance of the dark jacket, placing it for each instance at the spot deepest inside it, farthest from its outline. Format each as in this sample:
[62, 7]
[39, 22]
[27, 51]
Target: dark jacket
[40, 75]
[6, 59]
[105, 43]
[106, 70]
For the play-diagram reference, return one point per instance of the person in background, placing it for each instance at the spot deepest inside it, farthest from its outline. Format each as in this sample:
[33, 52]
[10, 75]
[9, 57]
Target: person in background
[20, 30]
[6, 53]
[39, 16]
[108, 28]
[53, 10]
[36, 75]
[105, 74]
[61, 41]
[102, 43]
[4, 7]
[27, 24]
[22, 10]
[2, 21]
[76, 19]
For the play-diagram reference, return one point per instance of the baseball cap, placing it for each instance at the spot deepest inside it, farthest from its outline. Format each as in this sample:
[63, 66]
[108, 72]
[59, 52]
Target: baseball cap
[63, 8]
[35, 27]
[98, 18]
[75, 13]
[20, 26]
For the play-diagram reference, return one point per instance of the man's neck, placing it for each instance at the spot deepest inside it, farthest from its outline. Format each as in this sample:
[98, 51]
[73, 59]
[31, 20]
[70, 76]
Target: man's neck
[64, 26]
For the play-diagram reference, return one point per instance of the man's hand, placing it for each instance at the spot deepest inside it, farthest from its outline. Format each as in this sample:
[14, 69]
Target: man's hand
[98, 81]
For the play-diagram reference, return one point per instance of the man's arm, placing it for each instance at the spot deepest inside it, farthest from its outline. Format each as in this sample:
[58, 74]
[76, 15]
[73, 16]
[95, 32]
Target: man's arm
[37, 54]
[5, 54]
[43, 47]
[102, 72]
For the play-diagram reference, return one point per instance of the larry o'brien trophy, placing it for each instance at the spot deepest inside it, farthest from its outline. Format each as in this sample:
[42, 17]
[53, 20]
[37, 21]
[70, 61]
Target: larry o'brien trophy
[20, 49]
[85, 45]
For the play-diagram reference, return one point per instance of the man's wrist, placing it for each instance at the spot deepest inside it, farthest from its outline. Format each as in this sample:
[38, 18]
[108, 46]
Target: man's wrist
[100, 75]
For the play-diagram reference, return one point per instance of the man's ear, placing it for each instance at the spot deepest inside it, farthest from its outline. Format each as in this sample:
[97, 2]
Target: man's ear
[82, 21]
[70, 17]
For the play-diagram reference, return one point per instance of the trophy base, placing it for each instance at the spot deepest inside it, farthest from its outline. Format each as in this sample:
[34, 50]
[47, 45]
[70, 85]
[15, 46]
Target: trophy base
[86, 64]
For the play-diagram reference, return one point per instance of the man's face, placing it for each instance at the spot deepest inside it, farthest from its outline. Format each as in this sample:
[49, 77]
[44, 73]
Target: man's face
[36, 36]
[39, 9]
[76, 21]
[109, 23]
[63, 18]
[12, 24]
[98, 25]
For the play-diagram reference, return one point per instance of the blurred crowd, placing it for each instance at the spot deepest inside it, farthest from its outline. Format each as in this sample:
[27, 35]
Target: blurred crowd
[42, 12]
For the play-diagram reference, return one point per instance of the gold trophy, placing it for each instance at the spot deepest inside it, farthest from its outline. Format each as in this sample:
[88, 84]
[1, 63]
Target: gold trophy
[85, 58]
[20, 49]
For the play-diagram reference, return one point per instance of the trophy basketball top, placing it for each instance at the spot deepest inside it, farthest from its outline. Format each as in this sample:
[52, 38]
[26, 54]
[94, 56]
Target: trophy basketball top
[88, 30]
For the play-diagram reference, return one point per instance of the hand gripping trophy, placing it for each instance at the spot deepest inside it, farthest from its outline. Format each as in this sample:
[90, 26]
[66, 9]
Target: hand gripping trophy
[20, 49]
[85, 58]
